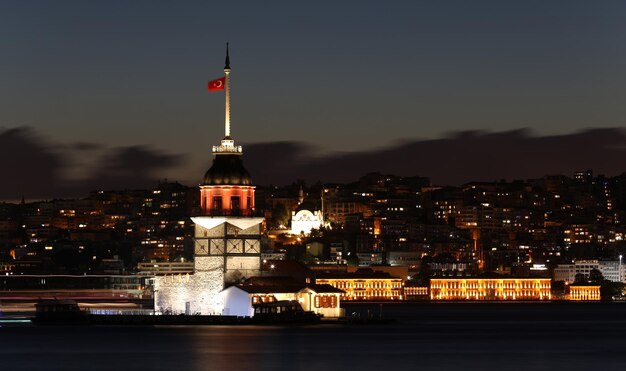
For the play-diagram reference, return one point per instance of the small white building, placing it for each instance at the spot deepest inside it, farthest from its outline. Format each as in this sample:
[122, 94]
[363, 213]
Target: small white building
[320, 299]
[303, 221]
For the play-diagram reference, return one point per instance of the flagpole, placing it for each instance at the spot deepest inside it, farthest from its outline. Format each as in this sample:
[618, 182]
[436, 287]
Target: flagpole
[227, 88]
[228, 144]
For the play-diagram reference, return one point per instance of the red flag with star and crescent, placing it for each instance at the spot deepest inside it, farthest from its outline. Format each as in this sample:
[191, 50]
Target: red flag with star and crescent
[217, 84]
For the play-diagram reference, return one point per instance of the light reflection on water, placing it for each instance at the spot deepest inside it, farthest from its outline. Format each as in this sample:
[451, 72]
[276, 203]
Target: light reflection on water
[426, 337]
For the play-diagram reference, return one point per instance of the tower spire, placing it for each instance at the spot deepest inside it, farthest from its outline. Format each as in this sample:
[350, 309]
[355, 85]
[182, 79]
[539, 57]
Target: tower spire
[227, 88]
[227, 66]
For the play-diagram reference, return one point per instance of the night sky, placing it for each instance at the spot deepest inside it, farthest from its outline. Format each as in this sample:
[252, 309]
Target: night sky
[113, 93]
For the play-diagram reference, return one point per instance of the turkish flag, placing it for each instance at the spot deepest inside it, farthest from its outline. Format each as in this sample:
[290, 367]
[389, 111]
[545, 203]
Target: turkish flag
[217, 84]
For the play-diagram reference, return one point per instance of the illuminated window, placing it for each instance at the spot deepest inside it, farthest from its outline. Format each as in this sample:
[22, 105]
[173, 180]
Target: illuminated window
[325, 301]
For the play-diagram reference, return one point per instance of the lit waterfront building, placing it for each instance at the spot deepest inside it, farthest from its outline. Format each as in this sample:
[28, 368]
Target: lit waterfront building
[584, 293]
[364, 284]
[227, 232]
[415, 292]
[490, 289]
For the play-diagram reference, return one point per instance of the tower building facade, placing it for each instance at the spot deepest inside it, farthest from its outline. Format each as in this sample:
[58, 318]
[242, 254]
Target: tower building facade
[227, 246]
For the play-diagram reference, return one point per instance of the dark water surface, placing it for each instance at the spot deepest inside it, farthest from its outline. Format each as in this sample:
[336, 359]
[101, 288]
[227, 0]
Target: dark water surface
[426, 337]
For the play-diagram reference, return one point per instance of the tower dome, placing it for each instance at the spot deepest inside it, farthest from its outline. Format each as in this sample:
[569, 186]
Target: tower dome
[227, 169]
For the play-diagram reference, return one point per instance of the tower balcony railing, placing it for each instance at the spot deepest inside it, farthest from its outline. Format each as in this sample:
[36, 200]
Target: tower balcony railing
[228, 212]
[225, 149]
[227, 146]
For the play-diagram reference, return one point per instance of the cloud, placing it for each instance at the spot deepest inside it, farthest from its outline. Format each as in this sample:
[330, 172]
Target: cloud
[29, 166]
[130, 167]
[452, 160]
[276, 162]
[86, 146]
[35, 167]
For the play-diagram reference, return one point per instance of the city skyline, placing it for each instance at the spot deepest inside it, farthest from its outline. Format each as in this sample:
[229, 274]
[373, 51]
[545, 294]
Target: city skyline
[117, 92]
[41, 170]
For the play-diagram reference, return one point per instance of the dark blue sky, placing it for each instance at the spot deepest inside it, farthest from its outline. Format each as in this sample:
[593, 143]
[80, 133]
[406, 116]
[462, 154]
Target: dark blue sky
[342, 76]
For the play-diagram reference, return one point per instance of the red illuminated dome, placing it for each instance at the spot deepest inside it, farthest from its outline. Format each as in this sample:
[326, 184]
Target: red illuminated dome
[226, 189]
